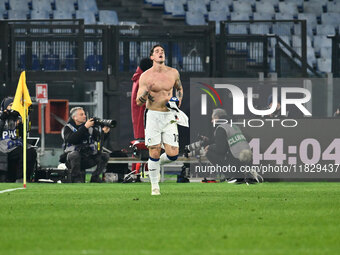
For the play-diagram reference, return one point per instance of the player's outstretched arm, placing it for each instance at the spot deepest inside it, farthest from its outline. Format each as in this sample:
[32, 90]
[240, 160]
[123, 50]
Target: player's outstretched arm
[179, 89]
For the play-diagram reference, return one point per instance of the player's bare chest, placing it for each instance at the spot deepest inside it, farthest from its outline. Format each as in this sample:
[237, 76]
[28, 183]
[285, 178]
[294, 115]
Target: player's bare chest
[160, 82]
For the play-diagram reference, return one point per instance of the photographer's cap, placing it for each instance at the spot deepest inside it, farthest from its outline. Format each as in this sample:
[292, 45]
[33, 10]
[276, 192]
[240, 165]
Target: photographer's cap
[6, 102]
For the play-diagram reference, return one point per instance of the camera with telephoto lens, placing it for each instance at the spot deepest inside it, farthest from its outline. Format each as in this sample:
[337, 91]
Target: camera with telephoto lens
[196, 148]
[9, 115]
[104, 122]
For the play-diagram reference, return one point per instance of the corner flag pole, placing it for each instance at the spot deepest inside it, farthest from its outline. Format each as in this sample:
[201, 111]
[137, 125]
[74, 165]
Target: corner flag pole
[21, 102]
[25, 148]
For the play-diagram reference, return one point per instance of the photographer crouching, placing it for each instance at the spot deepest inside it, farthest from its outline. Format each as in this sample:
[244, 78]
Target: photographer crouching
[82, 145]
[11, 131]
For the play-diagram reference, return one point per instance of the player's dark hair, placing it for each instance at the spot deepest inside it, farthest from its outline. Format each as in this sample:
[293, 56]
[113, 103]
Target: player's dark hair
[153, 48]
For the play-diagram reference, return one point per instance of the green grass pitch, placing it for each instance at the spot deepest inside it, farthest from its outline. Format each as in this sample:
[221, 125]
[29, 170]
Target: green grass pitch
[195, 218]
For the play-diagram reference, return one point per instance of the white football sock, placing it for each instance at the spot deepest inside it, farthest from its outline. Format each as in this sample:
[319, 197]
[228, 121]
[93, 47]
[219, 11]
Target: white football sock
[154, 172]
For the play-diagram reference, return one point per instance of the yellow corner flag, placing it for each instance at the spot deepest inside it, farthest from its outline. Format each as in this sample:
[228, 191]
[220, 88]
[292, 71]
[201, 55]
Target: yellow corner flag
[21, 102]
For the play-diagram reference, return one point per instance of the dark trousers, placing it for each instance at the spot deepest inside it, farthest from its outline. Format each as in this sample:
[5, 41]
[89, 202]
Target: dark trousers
[77, 163]
[15, 164]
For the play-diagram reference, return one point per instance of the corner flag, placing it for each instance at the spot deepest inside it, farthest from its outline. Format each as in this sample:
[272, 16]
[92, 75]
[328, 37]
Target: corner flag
[22, 99]
[21, 102]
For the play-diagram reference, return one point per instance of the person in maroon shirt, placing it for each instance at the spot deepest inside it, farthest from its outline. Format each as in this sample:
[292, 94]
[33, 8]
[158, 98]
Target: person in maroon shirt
[137, 112]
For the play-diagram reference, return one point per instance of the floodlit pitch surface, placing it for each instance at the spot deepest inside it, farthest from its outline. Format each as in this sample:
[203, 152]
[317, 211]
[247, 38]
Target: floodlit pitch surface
[195, 218]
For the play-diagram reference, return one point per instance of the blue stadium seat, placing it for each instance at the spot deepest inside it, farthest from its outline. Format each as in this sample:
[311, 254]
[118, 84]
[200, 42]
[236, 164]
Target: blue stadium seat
[35, 62]
[108, 17]
[265, 7]
[94, 63]
[262, 16]
[330, 18]
[309, 17]
[311, 59]
[324, 65]
[239, 16]
[310, 29]
[174, 8]
[70, 62]
[321, 41]
[41, 5]
[18, 5]
[288, 8]
[220, 5]
[2, 5]
[87, 5]
[296, 41]
[217, 16]
[325, 29]
[315, 7]
[195, 18]
[62, 14]
[326, 52]
[65, 5]
[197, 6]
[88, 17]
[333, 7]
[260, 28]
[237, 28]
[283, 16]
[40, 14]
[156, 2]
[244, 7]
[50, 62]
[17, 15]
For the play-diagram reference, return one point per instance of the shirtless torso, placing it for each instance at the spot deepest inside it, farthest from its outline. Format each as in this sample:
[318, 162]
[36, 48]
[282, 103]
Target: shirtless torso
[156, 84]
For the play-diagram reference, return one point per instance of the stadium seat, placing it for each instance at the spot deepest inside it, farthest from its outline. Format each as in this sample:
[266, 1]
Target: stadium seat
[284, 16]
[19, 15]
[2, 5]
[330, 18]
[174, 8]
[217, 16]
[88, 17]
[234, 28]
[282, 28]
[195, 18]
[239, 16]
[322, 42]
[70, 62]
[40, 14]
[265, 7]
[333, 7]
[41, 5]
[262, 16]
[309, 17]
[108, 17]
[220, 5]
[35, 62]
[196, 6]
[325, 29]
[62, 15]
[311, 59]
[288, 8]
[50, 62]
[94, 63]
[87, 5]
[156, 2]
[315, 7]
[18, 5]
[296, 41]
[65, 5]
[310, 29]
[326, 52]
[324, 65]
[243, 7]
[260, 28]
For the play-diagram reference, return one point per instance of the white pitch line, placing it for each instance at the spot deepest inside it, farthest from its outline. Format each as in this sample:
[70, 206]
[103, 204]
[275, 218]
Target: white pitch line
[9, 190]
